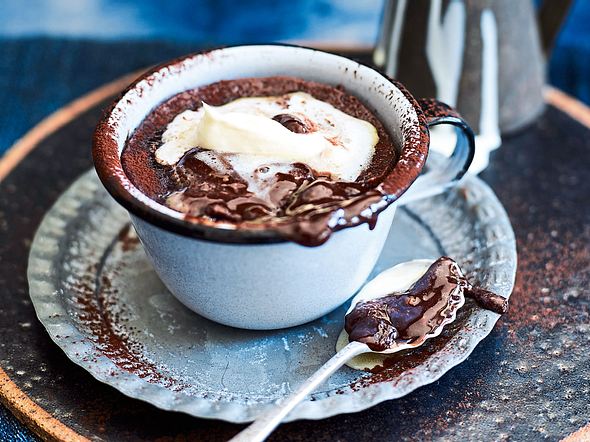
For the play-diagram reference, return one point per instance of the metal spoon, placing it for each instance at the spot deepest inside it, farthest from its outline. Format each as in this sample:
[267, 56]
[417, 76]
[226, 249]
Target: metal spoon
[397, 278]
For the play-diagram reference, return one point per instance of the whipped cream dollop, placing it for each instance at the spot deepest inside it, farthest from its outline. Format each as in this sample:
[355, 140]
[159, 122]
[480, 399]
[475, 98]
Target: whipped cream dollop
[330, 141]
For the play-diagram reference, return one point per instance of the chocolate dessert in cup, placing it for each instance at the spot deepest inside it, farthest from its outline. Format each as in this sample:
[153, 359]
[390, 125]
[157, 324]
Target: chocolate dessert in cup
[272, 219]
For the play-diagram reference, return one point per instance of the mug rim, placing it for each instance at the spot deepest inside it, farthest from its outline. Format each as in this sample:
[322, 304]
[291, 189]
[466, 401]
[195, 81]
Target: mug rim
[108, 165]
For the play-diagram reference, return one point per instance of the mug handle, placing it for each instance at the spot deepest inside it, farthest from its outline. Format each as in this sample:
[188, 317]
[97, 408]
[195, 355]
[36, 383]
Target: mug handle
[441, 177]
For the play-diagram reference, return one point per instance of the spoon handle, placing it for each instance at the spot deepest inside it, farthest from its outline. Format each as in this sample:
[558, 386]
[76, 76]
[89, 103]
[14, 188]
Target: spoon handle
[263, 426]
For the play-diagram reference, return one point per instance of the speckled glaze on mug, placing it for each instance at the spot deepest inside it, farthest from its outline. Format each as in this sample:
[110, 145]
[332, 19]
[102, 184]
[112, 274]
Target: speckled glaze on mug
[253, 278]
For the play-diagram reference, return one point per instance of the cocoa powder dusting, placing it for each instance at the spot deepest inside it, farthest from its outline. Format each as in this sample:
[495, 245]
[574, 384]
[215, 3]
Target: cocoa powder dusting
[95, 301]
[128, 238]
[546, 284]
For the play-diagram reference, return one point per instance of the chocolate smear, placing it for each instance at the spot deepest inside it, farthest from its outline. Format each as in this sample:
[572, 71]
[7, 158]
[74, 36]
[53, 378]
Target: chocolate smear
[488, 300]
[401, 318]
[291, 122]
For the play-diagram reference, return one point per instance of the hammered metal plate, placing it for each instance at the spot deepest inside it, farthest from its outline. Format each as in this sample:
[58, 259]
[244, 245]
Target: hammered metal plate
[96, 294]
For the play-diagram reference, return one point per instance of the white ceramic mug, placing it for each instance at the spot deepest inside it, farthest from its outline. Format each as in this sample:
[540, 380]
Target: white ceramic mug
[255, 279]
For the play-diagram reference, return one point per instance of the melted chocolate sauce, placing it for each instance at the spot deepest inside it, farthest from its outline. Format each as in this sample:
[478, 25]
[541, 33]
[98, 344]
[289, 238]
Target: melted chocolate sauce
[292, 123]
[404, 317]
[488, 300]
[302, 204]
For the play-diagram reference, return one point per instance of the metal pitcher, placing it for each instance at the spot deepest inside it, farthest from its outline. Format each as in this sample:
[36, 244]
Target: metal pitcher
[483, 57]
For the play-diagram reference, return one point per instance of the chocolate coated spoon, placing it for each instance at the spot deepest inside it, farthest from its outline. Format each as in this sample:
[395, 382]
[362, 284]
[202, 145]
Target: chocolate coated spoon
[403, 319]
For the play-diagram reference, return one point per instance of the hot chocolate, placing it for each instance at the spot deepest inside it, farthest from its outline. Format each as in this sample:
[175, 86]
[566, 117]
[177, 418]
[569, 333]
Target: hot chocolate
[300, 157]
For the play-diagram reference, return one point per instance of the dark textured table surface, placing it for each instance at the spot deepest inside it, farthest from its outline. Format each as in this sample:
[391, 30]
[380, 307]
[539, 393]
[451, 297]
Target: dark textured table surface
[529, 380]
